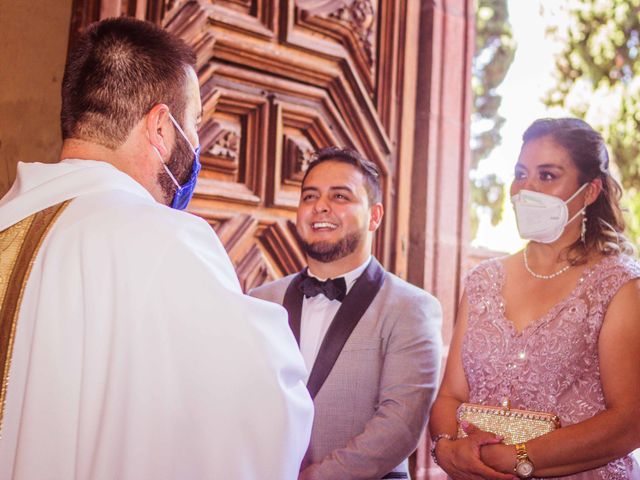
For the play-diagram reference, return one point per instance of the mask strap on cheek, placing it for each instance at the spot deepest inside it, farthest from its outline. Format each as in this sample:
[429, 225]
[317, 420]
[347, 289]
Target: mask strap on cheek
[166, 169]
[579, 212]
[576, 194]
[184, 135]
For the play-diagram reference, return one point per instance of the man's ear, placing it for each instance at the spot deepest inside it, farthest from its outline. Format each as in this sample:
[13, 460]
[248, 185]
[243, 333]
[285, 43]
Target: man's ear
[158, 125]
[377, 212]
[593, 190]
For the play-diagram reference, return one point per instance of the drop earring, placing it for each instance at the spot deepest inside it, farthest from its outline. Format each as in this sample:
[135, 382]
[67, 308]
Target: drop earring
[583, 231]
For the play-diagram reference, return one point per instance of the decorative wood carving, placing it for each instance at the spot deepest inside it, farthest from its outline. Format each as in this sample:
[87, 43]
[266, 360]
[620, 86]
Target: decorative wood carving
[233, 232]
[321, 7]
[347, 32]
[234, 144]
[260, 250]
[281, 245]
[253, 270]
[225, 143]
[243, 5]
[297, 154]
[296, 132]
[85, 12]
[360, 15]
[254, 17]
[189, 21]
[220, 142]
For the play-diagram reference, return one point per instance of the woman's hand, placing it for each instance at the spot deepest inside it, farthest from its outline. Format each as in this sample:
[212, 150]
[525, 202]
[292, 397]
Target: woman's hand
[500, 457]
[461, 458]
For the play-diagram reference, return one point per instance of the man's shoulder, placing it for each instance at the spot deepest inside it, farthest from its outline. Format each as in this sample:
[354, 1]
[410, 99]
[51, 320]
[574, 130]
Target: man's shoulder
[399, 300]
[126, 222]
[398, 289]
[402, 309]
[133, 212]
[273, 291]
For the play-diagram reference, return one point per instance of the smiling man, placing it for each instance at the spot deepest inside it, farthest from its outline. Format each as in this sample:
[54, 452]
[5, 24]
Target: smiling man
[370, 340]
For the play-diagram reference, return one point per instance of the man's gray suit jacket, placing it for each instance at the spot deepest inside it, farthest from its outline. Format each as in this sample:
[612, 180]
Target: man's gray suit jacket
[373, 405]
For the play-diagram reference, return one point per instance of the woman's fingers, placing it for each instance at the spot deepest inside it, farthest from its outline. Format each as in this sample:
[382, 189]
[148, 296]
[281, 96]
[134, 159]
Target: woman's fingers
[461, 458]
[480, 437]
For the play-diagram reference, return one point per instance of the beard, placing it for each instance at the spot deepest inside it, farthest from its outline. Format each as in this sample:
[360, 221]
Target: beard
[326, 252]
[180, 164]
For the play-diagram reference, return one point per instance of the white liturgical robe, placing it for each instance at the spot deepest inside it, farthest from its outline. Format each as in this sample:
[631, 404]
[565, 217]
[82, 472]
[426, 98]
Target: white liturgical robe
[136, 355]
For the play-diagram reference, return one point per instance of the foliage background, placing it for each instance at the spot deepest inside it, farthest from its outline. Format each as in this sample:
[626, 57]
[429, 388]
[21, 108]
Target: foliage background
[495, 50]
[598, 79]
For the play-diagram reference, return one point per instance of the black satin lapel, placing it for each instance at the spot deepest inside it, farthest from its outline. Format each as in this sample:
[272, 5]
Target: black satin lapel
[292, 302]
[353, 307]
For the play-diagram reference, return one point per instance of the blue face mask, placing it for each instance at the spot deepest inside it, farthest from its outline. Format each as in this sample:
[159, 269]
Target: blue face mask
[184, 192]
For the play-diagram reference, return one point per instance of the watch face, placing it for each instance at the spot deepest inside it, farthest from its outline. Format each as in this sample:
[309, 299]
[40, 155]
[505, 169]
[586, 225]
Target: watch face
[524, 469]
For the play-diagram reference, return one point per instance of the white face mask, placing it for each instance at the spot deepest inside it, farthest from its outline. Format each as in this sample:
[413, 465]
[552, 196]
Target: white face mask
[541, 217]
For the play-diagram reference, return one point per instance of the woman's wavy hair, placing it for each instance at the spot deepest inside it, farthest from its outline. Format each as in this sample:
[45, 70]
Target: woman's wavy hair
[605, 224]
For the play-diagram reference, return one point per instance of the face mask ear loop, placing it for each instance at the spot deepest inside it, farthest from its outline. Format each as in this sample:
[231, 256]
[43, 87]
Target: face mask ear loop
[166, 169]
[579, 212]
[571, 198]
[175, 123]
[576, 194]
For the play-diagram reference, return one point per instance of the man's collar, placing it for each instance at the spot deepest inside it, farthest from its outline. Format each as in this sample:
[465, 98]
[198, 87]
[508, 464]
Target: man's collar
[349, 277]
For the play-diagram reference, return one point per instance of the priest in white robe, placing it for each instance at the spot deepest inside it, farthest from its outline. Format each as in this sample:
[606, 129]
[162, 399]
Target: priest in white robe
[133, 353]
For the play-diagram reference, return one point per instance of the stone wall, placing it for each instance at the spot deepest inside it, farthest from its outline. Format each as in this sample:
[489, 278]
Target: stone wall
[33, 47]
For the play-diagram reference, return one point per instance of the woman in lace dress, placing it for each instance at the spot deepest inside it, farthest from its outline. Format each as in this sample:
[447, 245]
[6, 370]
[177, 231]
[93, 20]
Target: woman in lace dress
[553, 328]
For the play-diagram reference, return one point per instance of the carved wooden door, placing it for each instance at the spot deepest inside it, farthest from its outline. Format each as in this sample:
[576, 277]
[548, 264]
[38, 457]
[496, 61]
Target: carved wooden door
[278, 81]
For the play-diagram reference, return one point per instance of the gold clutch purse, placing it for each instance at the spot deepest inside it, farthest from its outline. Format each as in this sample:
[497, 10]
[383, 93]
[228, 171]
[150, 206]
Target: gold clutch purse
[515, 426]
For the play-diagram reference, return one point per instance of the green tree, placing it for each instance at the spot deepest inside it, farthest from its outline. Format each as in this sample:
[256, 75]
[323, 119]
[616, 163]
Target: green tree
[495, 49]
[598, 79]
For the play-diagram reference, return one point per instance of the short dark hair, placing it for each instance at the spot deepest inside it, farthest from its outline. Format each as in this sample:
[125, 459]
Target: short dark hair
[588, 152]
[118, 70]
[369, 170]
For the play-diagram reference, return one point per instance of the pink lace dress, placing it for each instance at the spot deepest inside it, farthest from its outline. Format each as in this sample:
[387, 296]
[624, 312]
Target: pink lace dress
[552, 365]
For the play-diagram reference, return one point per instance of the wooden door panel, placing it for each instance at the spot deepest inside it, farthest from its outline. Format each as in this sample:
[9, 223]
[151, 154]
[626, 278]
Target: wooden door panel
[261, 249]
[233, 146]
[346, 31]
[252, 17]
[278, 83]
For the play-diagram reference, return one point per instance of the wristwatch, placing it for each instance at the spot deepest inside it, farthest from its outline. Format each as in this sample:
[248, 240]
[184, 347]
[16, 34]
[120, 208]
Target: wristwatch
[524, 466]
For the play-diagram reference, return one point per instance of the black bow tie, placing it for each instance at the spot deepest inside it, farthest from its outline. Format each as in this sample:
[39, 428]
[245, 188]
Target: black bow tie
[333, 289]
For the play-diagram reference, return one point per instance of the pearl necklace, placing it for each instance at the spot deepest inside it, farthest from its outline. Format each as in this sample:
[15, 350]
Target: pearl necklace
[537, 275]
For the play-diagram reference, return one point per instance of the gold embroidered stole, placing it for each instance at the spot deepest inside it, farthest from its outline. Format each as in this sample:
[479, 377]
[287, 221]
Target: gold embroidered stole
[19, 245]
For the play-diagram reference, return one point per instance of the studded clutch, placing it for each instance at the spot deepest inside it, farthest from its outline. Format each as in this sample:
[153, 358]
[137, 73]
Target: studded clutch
[515, 426]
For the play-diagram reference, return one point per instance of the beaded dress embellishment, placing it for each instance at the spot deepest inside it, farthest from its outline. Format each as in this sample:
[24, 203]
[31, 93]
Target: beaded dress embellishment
[551, 365]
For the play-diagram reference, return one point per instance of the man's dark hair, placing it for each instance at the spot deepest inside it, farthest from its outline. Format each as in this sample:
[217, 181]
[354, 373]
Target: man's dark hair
[369, 170]
[119, 69]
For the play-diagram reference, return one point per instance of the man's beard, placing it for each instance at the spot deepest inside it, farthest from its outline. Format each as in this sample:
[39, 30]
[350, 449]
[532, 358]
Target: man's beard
[326, 252]
[179, 164]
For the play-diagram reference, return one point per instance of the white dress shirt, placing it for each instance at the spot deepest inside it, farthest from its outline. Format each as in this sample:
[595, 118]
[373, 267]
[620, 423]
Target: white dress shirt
[317, 314]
